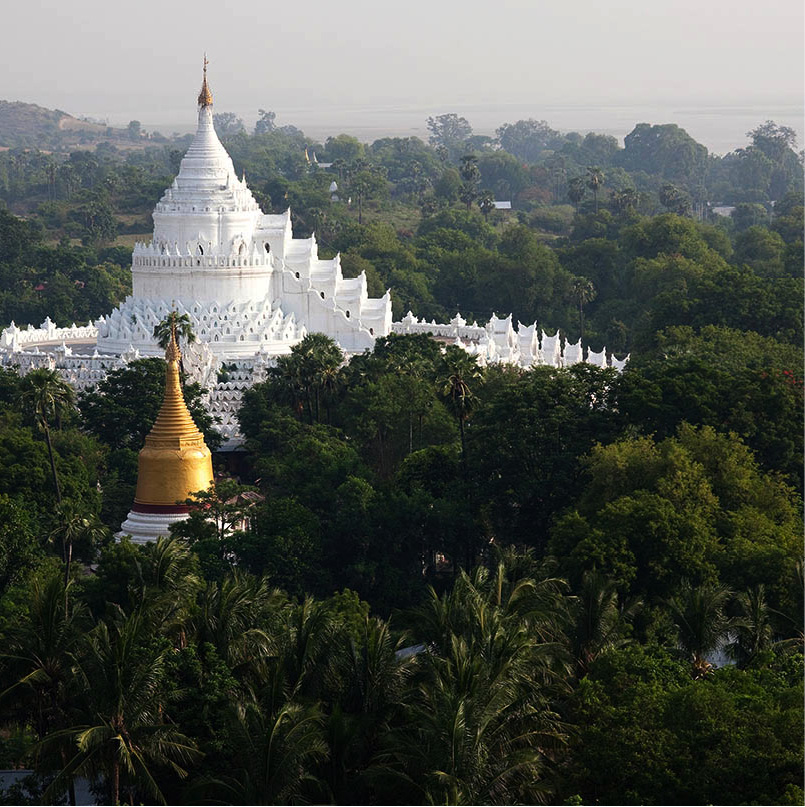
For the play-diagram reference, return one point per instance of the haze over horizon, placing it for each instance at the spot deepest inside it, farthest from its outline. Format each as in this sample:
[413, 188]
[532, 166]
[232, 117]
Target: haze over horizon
[349, 58]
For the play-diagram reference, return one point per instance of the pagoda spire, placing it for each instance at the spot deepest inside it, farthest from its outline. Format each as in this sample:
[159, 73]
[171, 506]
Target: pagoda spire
[205, 96]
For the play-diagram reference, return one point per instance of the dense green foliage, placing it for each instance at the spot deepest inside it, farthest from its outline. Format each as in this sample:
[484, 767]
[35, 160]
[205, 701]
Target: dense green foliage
[567, 558]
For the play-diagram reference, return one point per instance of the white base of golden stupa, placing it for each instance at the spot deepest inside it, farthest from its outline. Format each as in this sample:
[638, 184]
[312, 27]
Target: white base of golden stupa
[143, 528]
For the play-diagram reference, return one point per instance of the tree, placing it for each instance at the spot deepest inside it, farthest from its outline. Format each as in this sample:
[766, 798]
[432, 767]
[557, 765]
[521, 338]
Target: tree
[674, 200]
[527, 139]
[599, 620]
[576, 190]
[227, 124]
[460, 374]
[265, 122]
[134, 130]
[365, 183]
[276, 752]
[307, 374]
[480, 727]
[699, 613]
[448, 130]
[773, 140]
[20, 550]
[470, 176]
[38, 657]
[583, 292]
[625, 201]
[595, 179]
[665, 150]
[47, 398]
[344, 148]
[125, 734]
[177, 325]
[76, 528]
[645, 728]
[752, 625]
[224, 508]
[486, 202]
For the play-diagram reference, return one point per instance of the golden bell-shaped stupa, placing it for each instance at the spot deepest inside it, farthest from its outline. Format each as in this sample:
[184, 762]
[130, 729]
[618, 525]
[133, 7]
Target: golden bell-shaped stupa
[175, 461]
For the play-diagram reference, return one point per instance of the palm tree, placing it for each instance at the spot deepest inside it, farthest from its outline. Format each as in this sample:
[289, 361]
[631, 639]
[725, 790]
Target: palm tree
[72, 528]
[125, 735]
[276, 752]
[478, 725]
[701, 622]
[238, 617]
[470, 176]
[583, 292]
[595, 179]
[486, 202]
[169, 582]
[39, 657]
[753, 627]
[600, 620]
[460, 373]
[674, 199]
[43, 394]
[309, 370]
[625, 200]
[177, 324]
[576, 189]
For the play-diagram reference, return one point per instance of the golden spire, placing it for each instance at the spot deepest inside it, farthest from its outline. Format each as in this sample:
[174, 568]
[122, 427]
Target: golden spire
[205, 96]
[175, 461]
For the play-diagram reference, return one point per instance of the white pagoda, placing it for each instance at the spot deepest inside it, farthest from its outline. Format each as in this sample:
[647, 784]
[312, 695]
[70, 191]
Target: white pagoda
[249, 287]
[251, 291]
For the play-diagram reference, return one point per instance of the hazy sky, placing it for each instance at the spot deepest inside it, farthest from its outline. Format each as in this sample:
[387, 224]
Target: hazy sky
[143, 59]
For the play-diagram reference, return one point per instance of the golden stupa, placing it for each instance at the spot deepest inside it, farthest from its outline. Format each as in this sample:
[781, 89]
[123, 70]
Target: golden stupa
[175, 461]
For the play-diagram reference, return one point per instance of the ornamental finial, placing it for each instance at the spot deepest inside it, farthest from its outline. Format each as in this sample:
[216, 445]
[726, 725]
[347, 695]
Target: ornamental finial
[205, 96]
[172, 352]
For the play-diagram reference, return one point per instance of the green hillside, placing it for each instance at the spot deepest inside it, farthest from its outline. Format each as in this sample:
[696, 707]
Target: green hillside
[33, 126]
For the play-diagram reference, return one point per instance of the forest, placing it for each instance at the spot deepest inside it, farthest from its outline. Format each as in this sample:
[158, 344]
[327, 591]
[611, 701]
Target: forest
[423, 580]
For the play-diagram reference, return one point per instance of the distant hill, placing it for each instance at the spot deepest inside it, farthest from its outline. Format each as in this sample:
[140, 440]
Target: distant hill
[33, 126]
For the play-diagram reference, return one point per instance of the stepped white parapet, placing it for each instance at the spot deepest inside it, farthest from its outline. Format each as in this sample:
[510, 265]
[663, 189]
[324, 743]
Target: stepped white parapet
[499, 342]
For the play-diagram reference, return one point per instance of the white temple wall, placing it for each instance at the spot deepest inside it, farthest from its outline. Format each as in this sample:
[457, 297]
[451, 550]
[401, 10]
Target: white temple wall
[217, 227]
[216, 283]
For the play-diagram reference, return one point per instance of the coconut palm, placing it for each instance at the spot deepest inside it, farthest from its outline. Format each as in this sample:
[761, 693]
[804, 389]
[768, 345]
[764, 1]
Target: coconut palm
[238, 617]
[701, 622]
[47, 398]
[754, 632]
[75, 527]
[600, 620]
[276, 752]
[169, 582]
[38, 661]
[125, 735]
[479, 726]
[595, 179]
